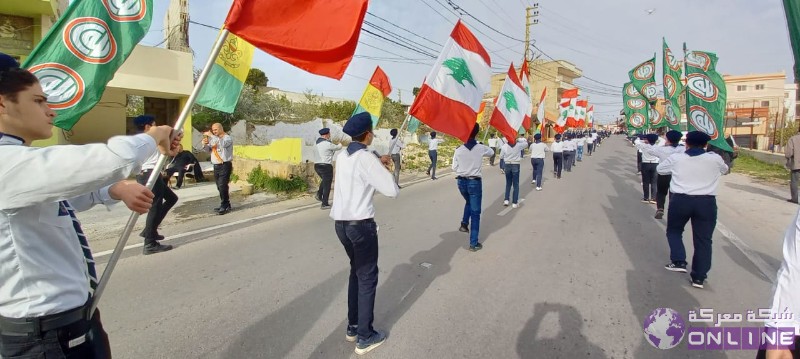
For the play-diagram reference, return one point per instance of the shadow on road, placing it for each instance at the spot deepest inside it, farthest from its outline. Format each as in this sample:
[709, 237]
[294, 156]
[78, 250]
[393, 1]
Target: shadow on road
[568, 343]
[275, 335]
[755, 190]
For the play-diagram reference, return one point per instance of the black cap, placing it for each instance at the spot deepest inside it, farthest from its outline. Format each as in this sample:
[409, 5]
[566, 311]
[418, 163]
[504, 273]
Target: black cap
[324, 131]
[697, 138]
[7, 62]
[652, 138]
[674, 136]
[358, 124]
[143, 120]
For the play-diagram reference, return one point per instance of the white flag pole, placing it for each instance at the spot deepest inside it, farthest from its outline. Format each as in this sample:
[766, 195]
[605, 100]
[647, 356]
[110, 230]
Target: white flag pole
[162, 160]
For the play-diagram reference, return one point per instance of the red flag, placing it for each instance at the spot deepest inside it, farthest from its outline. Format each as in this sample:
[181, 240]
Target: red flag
[381, 81]
[527, 122]
[319, 36]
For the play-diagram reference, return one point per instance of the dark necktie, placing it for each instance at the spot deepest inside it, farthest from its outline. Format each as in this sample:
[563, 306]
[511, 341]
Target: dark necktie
[87, 252]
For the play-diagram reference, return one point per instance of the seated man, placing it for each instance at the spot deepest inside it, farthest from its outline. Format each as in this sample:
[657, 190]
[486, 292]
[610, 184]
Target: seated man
[179, 163]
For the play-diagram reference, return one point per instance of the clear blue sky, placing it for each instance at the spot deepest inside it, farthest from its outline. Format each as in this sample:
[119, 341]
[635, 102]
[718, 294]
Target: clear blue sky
[603, 38]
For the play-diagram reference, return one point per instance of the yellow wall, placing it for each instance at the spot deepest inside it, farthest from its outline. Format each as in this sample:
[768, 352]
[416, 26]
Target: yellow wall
[187, 126]
[104, 121]
[283, 150]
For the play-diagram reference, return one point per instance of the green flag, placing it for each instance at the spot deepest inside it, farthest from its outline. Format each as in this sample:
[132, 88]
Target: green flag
[413, 125]
[792, 10]
[706, 97]
[643, 78]
[673, 87]
[635, 108]
[83, 50]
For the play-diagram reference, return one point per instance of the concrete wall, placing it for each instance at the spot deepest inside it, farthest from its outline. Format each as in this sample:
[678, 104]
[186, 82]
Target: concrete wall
[156, 72]
[769, 157]
[105, 120]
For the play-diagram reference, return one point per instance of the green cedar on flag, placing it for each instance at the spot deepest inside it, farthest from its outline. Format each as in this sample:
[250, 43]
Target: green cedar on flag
[79, 56]
[673, 87]
[792, 10]
[706, 97]
[643, 78]
[635, 108]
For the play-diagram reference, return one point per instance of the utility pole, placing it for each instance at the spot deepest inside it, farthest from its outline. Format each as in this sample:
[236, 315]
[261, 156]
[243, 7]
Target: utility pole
[531, 15]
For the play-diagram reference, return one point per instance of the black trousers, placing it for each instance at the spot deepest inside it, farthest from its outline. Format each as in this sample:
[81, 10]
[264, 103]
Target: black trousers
[222, 175]
[198, 173]
[325, 173]
[702, 211]
[494, 155]
[638, 162]
[360, 241]
[163, 200]
[568, 157]
[662, 190]
[558, 162]
[649, 177]
[55, 343]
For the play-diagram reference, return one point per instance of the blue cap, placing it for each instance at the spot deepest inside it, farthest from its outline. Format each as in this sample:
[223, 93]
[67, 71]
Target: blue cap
[143, 120]
[358, 124]
[697, 138]
[324, 131]
[7, 62]
[537, 136]
[558, 136]
[652, 138]
[674, 136]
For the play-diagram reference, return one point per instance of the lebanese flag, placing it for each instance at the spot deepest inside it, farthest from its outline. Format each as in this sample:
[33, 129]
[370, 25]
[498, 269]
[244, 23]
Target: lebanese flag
[580, 115]
[319, 36]
[527, 123]
[569, 105]
[511, 107]
[540, 111]
[451, 96]
[590, 116]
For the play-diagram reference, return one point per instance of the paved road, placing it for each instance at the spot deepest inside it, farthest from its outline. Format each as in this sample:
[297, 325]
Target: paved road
[572, 273]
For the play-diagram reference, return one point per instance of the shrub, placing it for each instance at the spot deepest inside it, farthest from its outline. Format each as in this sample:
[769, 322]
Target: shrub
[261, 180]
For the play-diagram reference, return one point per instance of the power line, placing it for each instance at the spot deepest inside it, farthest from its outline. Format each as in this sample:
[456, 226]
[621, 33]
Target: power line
[400, 37]
[401, 28]
[421, 52]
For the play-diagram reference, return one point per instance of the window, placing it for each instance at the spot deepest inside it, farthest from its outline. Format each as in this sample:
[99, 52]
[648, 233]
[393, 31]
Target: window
[764, 103]
[741, 88]
[759, 87]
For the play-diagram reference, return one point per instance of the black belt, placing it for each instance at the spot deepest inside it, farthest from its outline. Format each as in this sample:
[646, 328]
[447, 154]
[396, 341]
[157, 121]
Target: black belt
[694, 195]
[220, 164]
[358, 222]
[24, 326]
[474, 178]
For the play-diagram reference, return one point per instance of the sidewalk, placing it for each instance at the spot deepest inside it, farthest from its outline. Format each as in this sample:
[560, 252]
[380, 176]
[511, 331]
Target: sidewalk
[194, 210]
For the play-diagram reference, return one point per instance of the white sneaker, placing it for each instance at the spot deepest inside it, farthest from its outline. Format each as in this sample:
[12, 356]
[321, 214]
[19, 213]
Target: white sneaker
[538, 188]
[514, 205]
[505, 203]
[533, 182]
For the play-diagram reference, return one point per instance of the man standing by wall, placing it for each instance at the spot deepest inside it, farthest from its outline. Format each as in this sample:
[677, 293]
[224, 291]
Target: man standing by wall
[397, 157]
[324, 166]
[220, 144]
[433, 153]
[793, 162]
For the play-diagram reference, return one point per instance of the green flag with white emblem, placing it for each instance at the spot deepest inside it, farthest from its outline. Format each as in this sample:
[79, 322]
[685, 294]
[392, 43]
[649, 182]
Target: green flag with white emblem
[643, 78]
[706, 97]
[635, 108]
[83, 50]
[673, 87]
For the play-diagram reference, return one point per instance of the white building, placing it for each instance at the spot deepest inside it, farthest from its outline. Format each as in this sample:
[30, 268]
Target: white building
[790, 102]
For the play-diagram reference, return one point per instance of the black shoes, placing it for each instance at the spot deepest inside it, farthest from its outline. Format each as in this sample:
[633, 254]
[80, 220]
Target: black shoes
[155, 247]
[325, 206]
[659, 213]
[463, 228]
[676, 267]
[318, 198]
[351, 335]
[364, 346]
[697, 283]
[222, 210]
[158, 236]
[476, 247]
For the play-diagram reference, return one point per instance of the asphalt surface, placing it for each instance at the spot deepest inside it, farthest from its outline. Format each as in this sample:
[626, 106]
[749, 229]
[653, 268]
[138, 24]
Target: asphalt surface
[572, 273]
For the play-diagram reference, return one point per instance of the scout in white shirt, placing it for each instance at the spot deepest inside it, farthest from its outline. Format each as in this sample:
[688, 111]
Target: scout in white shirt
[359, 173]
[662, 152]
[47, 273]
[467, 162]
[569, 153]
[493, 144]
[558, 155]
[324, 165]
[538, 150]
[511, 157]
[649, 164]
[695, 178]
[581, 142]
[786, 292]
[433, 153]
[396, 156]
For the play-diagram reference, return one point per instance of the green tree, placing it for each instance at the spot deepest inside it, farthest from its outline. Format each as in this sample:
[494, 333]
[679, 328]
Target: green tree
[392, 114]
[135, 106]
[415, 90]
[337, 111]
[256, 78]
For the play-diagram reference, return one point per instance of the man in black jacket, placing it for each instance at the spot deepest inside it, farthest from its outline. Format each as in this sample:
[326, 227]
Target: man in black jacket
[179, 163]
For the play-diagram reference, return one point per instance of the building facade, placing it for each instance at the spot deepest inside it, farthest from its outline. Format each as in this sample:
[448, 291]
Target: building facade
[755, 108]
